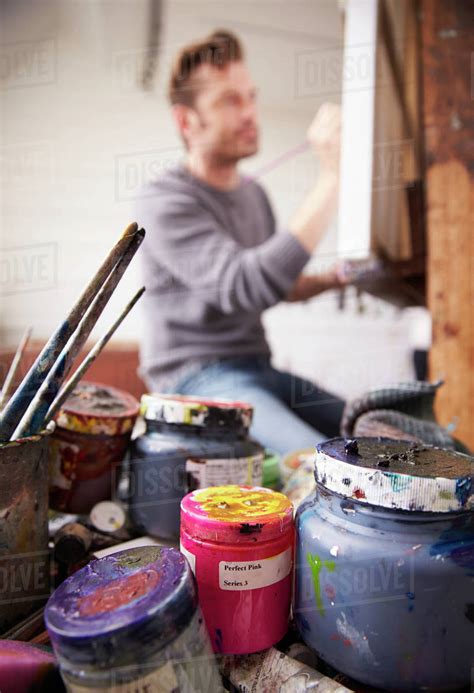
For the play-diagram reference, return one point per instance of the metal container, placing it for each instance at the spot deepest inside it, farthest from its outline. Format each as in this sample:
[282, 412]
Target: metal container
[385, 564]
[24, 555]
[93, 431]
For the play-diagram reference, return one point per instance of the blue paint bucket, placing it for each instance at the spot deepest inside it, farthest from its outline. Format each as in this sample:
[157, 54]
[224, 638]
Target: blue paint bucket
[131, 622]
[385, 564]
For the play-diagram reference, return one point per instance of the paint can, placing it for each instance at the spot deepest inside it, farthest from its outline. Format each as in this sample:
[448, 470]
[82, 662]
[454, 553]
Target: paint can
[92, 435]
[239, 543]
[385, 563]
[189, 443]
[131, 622]
[24, 554]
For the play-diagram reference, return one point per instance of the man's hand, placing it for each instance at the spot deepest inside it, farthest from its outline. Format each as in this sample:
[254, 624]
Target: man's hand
[311, 220]
[324, 135]
[310, 285]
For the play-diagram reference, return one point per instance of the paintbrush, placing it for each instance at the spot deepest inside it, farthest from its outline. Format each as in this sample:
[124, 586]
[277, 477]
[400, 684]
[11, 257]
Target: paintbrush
[16, 407]
[91, 356]
[14, 366]
[37, 409]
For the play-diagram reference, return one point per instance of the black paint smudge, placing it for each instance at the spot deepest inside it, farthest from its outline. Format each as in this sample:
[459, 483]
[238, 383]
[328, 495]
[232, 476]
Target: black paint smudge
[384, 461]
[351, 446]
[246, 528]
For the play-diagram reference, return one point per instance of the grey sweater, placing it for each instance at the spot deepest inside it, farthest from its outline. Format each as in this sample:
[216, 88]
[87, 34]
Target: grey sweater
[212, 263]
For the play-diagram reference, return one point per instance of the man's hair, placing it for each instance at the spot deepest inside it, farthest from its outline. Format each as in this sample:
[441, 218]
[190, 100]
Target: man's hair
[219, 49]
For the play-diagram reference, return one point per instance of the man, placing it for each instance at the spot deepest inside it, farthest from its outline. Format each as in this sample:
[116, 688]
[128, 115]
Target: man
[213, 262]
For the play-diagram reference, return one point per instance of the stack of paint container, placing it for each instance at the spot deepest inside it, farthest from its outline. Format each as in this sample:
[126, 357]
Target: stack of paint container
[383, 580]
[132, 619]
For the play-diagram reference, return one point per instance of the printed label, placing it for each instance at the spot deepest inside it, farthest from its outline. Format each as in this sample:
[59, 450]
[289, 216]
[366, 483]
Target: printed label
[250, 575]
[190, 556]
[161, 680]
[245, 471]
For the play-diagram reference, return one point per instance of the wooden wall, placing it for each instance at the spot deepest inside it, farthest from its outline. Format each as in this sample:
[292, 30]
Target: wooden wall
[448, 95]
[117, 366]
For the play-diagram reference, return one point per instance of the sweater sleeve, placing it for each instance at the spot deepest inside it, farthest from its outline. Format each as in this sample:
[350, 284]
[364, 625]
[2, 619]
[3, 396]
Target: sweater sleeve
[188, 240]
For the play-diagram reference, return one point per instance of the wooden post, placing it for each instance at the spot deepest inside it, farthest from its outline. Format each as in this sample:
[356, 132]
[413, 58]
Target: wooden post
[448, 95]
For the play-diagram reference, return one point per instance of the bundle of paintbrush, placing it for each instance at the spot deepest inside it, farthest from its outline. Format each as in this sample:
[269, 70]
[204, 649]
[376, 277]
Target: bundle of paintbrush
[39, 395]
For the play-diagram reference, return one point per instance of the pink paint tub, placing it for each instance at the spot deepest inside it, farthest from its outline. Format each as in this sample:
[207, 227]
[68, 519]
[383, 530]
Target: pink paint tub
[239, 541]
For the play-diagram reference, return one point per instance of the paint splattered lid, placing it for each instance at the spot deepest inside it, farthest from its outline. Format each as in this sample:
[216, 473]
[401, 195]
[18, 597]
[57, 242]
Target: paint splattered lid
[98, 409]
[396, 474]
[196, 411]
[122, 608]
[236, 514]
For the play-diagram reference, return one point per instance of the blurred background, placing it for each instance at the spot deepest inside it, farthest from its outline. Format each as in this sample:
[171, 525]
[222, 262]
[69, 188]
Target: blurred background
[85, 123]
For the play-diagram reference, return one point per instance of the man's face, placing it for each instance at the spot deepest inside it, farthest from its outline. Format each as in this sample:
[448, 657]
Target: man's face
[223, 121]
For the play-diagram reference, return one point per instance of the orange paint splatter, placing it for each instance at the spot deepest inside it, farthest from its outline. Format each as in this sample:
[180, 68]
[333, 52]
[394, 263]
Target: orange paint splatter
[118, 593]
[359, 493]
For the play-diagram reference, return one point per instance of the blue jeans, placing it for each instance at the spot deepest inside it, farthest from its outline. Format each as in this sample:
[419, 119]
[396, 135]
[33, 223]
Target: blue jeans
[290, 413]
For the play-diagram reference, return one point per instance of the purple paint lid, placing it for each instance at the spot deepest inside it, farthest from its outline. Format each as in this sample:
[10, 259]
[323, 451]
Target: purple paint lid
[124, 606]
[397, 474]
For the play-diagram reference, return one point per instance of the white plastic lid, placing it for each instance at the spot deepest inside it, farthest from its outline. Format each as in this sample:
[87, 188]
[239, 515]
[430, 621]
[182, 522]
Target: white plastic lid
[396, 474]
[195, 411]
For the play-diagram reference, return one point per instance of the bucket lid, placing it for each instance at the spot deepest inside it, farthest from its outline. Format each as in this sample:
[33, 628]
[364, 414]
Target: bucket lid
[95, 408]
[126, 605]
[236, 514]
[195, 411]
[396, 474]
